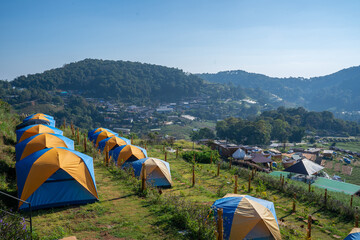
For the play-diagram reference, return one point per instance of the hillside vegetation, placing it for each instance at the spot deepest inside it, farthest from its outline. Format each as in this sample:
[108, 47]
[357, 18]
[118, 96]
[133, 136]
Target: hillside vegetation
[336, 92]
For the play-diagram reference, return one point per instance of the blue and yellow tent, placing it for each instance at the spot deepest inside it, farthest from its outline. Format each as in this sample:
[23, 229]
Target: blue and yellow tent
[354, 234]
[97, 137]
[56, 177]
[97, 130]
[40, 116]
[113, 142]
[41, 141]
[157, 171]
[33, 130]
[127, 153]
[246, 217]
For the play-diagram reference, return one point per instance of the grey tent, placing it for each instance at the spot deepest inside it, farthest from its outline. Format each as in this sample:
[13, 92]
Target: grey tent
[239, 154]
[305, 167]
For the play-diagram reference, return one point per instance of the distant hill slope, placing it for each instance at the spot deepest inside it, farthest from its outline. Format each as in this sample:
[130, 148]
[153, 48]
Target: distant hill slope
[335, 92]
[116, 79]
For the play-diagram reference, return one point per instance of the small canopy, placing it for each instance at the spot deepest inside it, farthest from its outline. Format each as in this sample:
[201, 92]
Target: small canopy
[96, 130]
[157, 171]
[305, 167]
[113, 142]
[33, 122]
[41, 141]
[246, 217]
[32, 130]
[354, 234]
[101, 136]
[127, 153]
[55, 177]
[239, 154]
[41, 117]
[259, 158]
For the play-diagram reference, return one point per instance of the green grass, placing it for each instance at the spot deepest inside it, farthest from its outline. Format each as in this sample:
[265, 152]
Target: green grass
[122, 214]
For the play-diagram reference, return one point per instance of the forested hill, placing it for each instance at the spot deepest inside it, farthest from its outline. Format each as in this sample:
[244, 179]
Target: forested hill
[116, 79]
[334, 92]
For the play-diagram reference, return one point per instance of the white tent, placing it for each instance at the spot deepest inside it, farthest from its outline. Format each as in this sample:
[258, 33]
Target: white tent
[239, 154]
[305, 167]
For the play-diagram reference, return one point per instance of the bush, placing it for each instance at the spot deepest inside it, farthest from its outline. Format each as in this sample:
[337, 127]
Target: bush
[201, 157]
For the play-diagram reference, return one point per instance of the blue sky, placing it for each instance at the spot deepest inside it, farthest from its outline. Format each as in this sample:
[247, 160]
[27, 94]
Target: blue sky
[277, 38]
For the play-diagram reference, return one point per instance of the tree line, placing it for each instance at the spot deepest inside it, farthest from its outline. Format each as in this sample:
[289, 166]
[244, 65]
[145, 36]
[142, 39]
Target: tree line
[284, 124]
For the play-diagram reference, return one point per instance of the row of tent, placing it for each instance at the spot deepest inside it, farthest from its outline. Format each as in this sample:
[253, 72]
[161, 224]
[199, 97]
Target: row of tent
[128, 156]
[49, 171]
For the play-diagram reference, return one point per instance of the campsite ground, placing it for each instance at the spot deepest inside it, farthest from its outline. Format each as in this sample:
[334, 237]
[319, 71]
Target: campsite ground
[122, 214]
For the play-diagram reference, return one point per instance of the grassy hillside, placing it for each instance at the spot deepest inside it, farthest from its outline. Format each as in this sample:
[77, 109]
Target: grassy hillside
[183, 212]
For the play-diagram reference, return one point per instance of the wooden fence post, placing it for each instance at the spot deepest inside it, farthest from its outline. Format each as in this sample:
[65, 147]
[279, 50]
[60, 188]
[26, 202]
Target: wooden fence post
[230, 162]
[145, 147]
[236, 184]
[64, 124]
[132, 140]
[193, 175]
[143, 178]
[177, 152]
[106, 150]
[252, 173]
[356, 221]
[294, 203]
[165, 156]
[72, 128]
[218, 169]
[309, 186]
[85, 145]
[309, 227]
[220, 224]
[211, 158]
[78, 136]
[249, 189]
[163, 148]
[351, 200]
[325, 197]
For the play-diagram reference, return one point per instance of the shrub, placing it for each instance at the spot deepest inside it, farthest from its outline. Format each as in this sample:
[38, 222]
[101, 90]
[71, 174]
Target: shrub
[13, 227]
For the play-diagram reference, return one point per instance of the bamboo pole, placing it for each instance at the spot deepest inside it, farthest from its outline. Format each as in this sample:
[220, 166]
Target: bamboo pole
[230, 162]
[165, 157]
[64, 123]
[309, 227]
[177, 152]
[220, 224]
[193, 175]
[211, 158]
[132, 140]
[236, 184]
[309, 186]
[218, 169]
[143, 178]
[249, 189]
